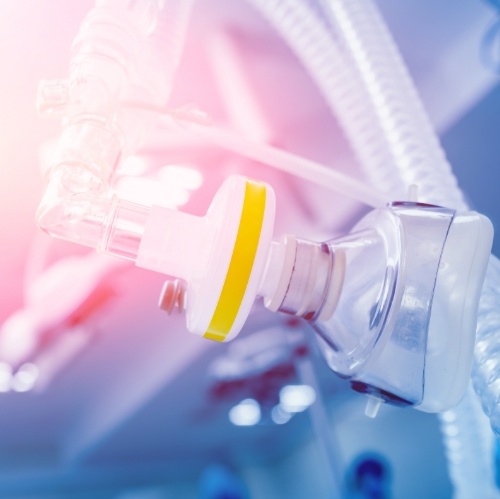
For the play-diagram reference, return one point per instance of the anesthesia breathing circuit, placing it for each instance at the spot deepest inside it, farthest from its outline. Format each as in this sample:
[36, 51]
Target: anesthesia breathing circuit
[394, 303]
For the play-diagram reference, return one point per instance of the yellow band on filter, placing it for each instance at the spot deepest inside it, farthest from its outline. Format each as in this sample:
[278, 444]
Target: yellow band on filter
[242, 259]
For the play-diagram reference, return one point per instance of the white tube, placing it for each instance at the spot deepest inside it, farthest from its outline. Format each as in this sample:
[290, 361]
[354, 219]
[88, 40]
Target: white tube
[388, 103]
[295, 165]
[409, 138]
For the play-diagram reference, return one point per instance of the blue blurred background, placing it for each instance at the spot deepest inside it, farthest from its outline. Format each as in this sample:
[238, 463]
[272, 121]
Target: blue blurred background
[112, 398]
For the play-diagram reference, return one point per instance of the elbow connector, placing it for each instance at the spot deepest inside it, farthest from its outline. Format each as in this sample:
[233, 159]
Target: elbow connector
[78, 206]
[77, 198]
[114, 60]
[75, 205]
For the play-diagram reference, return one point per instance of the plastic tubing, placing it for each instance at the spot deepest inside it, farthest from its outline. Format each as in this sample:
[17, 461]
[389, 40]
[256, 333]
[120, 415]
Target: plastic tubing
[124, 52]
[295, 165]
[469, 449]
[357, 68]
[336, 78]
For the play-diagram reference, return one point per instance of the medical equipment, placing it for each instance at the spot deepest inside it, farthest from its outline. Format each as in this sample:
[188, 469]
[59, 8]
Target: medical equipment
[115, 89]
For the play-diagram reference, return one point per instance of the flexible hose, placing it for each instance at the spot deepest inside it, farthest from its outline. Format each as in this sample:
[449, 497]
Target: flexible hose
[338, 82]
[361, 75]
[469, 449]
[409, 138]
[486, 367]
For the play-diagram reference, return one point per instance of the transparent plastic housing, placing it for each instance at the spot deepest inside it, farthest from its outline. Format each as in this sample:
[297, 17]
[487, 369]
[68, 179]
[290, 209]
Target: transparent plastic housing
[125, 230]
[78, 206]
[368, 296]
[378, 335]
[349, 336]
[74, 205]
[122, 65]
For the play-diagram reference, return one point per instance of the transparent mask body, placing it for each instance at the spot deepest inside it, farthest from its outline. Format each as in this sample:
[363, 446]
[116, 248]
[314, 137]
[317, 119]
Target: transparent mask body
[350, 334]
[376, 335]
